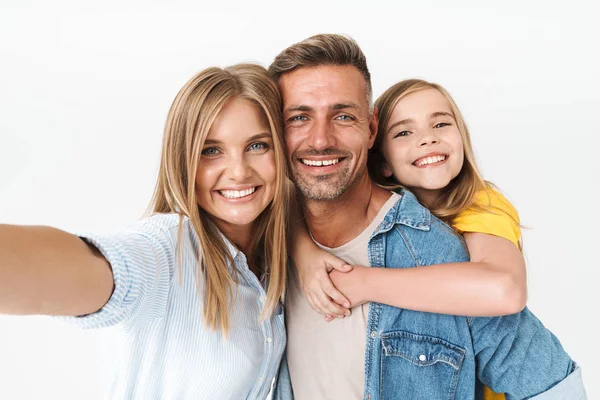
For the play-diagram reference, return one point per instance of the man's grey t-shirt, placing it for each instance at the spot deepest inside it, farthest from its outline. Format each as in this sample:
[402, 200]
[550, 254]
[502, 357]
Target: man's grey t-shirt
[326, 359]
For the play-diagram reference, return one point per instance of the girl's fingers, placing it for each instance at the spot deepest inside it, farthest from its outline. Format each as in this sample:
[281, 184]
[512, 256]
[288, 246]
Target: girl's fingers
[335, 294]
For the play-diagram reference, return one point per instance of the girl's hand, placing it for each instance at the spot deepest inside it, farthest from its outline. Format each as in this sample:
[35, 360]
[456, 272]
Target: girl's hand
[320, 293]
[354, 284]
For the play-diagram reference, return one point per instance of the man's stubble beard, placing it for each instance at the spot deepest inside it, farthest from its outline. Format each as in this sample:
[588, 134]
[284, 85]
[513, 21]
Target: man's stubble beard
[319, 189]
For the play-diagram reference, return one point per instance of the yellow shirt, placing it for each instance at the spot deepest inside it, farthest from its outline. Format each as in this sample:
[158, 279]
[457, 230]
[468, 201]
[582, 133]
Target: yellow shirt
[499, 218]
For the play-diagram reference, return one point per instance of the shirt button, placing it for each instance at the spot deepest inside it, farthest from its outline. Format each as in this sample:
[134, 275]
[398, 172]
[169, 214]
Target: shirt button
[423, 357]
[269, 340]
[373, 334]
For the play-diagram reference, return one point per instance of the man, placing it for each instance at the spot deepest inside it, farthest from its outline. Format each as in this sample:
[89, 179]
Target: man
[383, 352]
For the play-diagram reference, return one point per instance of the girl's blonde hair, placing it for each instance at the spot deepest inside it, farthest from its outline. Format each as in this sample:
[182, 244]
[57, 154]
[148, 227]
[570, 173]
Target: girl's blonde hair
[189, 120]
[459, 195]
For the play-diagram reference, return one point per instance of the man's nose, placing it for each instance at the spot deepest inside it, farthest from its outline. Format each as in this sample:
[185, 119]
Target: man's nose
[321, 136]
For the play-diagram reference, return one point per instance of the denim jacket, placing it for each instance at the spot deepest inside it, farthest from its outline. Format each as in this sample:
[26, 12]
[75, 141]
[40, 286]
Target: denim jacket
[417, 355]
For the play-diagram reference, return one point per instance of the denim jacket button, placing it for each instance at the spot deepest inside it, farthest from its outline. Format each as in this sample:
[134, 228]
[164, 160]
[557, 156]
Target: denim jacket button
[368, 396]
[373, 334]
[423, 357]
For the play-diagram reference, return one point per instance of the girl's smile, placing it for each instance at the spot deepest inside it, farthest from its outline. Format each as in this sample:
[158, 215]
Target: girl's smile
[422, 146]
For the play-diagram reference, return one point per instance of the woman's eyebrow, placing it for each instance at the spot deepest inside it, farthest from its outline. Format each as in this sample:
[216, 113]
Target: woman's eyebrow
[262, 135]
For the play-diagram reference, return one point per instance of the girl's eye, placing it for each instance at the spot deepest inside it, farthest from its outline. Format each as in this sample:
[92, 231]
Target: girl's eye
[441, 125]
[210, 151]
[402, 133]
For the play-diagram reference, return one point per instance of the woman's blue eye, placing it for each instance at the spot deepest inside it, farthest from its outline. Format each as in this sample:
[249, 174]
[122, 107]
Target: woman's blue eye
[210, 151]
[441, 125]
[259, 146]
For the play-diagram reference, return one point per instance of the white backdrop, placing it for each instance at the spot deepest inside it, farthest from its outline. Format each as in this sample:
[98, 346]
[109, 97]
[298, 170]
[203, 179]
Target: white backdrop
[84, 91]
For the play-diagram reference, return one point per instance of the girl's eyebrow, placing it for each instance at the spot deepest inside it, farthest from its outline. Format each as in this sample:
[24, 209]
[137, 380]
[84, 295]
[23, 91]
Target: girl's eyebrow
[441, 114]
[431, 116]
[401, 122]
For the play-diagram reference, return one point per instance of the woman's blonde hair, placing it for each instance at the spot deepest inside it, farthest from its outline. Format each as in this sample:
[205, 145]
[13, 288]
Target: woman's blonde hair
[459, 195]
[189, 120]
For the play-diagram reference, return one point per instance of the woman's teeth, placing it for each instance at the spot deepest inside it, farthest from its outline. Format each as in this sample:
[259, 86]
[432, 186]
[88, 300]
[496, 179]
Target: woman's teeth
[236, 194]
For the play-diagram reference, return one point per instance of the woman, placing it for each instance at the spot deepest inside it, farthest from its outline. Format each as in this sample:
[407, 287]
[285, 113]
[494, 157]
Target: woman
[195, 287]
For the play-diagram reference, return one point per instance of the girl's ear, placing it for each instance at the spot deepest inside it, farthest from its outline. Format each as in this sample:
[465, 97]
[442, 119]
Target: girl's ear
[386, 170]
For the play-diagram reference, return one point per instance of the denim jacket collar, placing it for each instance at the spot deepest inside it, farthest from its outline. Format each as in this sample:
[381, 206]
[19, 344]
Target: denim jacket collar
[407, 211]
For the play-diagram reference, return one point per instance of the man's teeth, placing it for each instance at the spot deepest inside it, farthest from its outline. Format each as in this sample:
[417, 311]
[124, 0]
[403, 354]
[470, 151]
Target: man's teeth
[320, 163]
[236, 194]
[429, 160]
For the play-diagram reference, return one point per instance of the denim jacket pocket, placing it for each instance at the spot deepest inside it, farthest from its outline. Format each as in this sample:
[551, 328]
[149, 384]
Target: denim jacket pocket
[418, 367]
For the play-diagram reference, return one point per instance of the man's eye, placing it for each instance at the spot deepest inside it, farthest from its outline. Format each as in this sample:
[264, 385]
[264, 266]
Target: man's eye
[345, 118]
[210, 151]
[297, 118]
[441, 125]
[402, 133]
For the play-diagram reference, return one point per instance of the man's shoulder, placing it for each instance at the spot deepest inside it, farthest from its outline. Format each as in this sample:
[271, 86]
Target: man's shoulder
[426, 238]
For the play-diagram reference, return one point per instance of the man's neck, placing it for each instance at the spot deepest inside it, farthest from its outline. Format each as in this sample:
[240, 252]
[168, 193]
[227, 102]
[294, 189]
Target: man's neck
[334, 223]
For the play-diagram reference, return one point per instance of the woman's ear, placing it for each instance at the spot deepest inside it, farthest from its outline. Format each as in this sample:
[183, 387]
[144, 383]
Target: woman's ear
[386, 170]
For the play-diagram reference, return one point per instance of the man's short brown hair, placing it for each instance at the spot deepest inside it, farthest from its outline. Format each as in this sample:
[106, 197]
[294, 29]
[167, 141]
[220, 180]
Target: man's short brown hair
[323, 49]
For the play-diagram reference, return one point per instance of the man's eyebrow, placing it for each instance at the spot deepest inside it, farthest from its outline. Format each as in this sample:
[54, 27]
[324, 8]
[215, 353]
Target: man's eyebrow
[299, 107]
[341, 106]
[305, 108]
[262, 135]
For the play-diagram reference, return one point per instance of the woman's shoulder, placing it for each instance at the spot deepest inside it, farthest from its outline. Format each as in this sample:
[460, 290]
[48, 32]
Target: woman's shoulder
[160, 224]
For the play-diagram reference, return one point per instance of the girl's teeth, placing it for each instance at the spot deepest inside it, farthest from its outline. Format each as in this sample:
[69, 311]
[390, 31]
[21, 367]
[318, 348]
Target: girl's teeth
[430, 160]
[236, 194]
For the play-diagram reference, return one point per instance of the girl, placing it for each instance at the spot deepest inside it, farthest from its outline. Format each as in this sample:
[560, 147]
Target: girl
[423, 145]
[196, 287]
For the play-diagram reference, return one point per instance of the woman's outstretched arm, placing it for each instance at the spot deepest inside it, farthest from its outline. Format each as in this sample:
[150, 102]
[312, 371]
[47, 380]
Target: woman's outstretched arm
[44, 270]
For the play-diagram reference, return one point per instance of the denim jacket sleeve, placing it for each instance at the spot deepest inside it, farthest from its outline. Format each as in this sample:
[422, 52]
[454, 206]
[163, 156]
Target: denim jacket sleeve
[518, 356]
[569, 388]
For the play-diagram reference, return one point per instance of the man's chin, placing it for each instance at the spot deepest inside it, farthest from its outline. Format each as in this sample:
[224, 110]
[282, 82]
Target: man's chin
[320, 192]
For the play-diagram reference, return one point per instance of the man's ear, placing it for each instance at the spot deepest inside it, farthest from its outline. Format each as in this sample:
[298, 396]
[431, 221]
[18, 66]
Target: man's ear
[373, 125]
